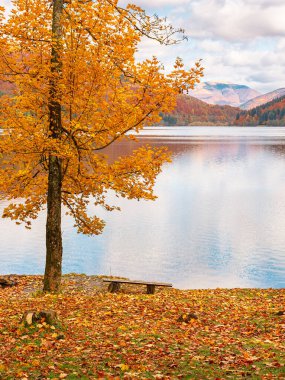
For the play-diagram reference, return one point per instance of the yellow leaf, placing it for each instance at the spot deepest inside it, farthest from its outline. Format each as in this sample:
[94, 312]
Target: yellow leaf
[123, 367]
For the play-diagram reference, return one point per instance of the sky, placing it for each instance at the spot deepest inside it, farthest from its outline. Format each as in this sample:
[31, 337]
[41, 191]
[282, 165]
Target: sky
[239, 41]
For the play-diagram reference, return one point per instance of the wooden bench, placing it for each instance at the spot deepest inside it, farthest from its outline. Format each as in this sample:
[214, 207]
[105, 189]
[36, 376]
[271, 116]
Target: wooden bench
[115, 284]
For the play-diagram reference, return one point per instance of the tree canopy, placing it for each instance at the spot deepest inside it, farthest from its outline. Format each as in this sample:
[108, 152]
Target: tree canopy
[76, 60]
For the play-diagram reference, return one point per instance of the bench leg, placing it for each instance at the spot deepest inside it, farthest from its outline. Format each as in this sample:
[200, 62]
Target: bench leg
[114, 287]
[150, 289]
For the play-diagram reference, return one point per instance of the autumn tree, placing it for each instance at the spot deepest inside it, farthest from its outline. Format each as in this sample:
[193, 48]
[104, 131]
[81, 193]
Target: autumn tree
[77, 89]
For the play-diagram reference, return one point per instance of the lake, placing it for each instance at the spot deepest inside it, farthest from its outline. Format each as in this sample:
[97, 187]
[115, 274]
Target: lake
[219, 220]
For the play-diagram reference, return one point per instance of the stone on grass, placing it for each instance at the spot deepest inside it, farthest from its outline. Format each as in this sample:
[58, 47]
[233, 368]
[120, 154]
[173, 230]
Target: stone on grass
[5, 282]
[31, 317]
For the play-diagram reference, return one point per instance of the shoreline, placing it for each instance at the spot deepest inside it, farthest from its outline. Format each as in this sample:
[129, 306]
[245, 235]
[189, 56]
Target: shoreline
[94, 282]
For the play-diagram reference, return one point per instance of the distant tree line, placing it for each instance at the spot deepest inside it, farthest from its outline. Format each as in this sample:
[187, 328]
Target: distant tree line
[271, 113]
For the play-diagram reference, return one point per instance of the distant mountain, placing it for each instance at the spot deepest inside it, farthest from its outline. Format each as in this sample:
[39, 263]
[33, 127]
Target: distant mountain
[270, 113]
[262, 99]
[192, 111]
[223, 93]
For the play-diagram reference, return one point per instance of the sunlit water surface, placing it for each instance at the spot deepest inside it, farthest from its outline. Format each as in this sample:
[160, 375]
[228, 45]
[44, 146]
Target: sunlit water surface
[219, 220]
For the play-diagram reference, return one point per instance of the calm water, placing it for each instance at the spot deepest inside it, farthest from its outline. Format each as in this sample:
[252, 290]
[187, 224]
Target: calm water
[219, 220]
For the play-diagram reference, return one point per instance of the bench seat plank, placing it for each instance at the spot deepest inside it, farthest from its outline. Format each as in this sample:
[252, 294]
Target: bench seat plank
[137, 282]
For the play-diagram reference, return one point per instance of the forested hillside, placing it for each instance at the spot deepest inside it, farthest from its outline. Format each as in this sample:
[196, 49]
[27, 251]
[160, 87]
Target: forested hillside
[192, 111]
[271, 113]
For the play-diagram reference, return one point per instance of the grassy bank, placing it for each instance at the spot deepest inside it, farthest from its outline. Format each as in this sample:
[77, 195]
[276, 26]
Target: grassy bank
[238, 333]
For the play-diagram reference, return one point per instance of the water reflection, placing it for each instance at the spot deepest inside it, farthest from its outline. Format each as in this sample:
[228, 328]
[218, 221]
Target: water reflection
[218, 222]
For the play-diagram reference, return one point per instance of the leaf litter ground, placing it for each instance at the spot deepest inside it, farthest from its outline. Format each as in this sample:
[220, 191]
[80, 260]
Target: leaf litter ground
[239, 333]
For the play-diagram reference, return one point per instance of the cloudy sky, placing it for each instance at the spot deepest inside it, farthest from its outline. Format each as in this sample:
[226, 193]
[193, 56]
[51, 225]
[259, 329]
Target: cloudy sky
[240, 41]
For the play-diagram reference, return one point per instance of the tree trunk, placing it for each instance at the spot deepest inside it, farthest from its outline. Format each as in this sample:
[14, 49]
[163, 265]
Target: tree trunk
[52, 277]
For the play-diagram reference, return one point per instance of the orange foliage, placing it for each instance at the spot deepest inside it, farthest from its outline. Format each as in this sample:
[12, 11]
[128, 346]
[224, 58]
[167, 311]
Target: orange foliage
[238, 333]
[103, 94]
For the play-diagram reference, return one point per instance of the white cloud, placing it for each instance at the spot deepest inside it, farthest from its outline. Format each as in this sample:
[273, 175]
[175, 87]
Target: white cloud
[235, 20]
[262, 70]
[281, 44]
[211, 45]
[245, 63]
[240, 41]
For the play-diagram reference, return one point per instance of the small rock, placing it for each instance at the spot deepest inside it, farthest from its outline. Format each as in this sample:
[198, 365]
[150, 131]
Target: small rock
[187, 317]
[5, 283]
[31, 317]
